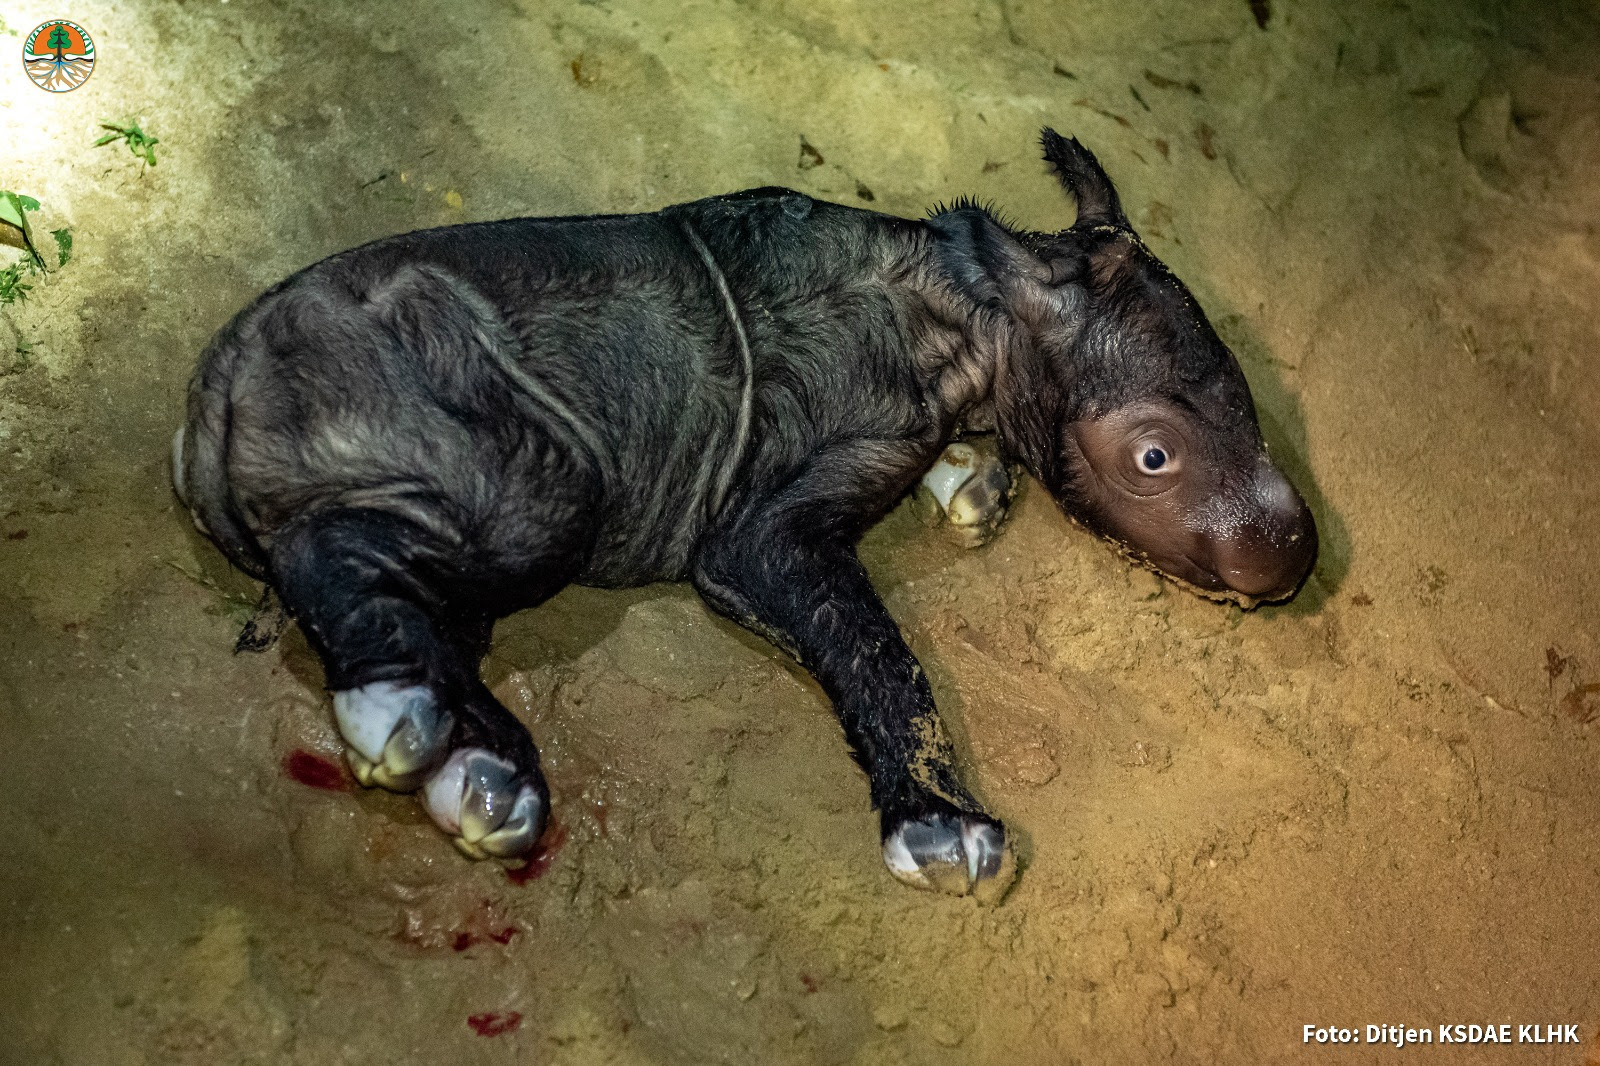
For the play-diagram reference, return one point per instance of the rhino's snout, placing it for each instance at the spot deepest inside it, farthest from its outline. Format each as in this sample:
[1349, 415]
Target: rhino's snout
[1268, 554]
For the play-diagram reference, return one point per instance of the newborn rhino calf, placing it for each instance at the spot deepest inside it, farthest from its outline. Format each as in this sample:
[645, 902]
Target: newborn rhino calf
[417, 437]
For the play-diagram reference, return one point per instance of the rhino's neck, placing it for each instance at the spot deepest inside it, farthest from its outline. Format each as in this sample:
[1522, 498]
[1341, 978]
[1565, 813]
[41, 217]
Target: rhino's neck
[961, 347]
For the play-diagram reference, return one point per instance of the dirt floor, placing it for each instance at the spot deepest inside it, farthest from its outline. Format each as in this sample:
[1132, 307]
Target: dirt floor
[1377, 805]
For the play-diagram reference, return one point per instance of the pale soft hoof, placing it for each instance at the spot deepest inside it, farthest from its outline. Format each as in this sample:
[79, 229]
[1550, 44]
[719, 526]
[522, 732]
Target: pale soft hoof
[962, 855]
[968, 490]
[396, 734]
[484, 804]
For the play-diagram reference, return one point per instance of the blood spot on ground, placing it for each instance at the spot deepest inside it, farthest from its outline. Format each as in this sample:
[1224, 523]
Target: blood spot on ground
[447, 922]
[493, 1023]
[315, 771]
[465, 938]
[544, 854]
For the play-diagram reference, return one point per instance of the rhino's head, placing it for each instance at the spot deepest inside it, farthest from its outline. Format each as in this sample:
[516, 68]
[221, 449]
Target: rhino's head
[1115, 392]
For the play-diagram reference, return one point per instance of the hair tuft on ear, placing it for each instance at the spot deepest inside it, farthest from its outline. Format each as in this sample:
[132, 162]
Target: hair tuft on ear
[980, 256]
[972, 203]
[1083, 177]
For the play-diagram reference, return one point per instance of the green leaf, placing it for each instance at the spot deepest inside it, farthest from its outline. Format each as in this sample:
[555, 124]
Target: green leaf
[14, 208]
[12, 287]
[63, 238]
[140, 143]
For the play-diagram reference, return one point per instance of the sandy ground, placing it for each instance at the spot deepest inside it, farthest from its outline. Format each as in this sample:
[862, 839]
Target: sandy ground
[1376, 805]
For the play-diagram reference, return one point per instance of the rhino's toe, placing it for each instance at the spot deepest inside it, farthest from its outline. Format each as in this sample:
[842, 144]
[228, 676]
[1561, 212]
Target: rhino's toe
[394, 734]
[960, 854]
[487, 805]
[971, 488]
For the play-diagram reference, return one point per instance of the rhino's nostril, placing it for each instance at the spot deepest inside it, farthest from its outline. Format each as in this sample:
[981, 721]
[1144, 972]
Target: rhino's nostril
[1268, 556]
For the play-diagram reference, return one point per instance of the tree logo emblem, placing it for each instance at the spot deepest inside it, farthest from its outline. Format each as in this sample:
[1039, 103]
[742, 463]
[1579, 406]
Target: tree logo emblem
[58, 56]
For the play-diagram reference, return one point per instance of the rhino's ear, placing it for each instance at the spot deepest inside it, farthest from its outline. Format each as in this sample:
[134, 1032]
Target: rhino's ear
[983, 259]
[1082, 176]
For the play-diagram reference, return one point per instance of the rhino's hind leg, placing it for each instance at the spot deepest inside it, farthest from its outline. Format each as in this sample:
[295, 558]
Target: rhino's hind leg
[367, 587]
[968, 491]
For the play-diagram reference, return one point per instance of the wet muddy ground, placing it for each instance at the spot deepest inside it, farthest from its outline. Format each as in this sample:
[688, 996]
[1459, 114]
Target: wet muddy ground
[1378, 804]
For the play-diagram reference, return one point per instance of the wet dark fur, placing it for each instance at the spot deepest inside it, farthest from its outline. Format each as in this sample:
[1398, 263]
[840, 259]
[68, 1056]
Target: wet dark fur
[413, 438]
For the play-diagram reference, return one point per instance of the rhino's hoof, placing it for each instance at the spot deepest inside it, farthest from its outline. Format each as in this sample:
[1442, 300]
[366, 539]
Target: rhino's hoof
[395, 734]
[969, 489]
[487, 806]
[961, 854]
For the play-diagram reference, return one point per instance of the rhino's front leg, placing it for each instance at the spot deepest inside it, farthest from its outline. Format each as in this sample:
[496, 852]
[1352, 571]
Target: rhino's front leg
[787, 569]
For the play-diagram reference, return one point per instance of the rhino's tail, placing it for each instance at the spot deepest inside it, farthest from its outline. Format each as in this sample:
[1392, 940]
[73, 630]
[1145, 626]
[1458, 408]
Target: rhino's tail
[199, 458]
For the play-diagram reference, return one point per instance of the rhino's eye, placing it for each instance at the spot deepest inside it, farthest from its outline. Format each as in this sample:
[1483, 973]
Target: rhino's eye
[1153, 459]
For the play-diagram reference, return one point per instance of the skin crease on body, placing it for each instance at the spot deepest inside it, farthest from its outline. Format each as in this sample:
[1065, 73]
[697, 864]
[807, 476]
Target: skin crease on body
[414, 438]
